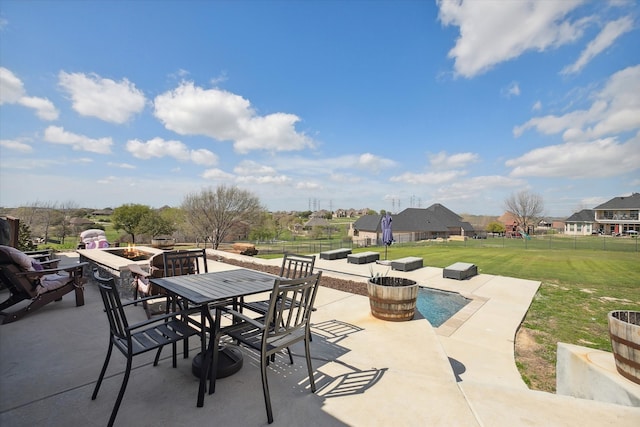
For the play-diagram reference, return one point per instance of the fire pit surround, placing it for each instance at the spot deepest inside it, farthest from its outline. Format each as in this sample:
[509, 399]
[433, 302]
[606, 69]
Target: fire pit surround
[115, 262]
[132, 254]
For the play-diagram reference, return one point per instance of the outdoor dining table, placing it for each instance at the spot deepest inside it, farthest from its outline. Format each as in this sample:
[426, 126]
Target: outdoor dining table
[207, 289]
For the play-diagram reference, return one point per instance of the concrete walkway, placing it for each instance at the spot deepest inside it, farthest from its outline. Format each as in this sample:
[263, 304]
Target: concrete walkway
[368, 372]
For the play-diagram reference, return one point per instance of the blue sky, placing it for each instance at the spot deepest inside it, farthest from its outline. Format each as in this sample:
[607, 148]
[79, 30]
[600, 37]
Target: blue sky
[320, 104]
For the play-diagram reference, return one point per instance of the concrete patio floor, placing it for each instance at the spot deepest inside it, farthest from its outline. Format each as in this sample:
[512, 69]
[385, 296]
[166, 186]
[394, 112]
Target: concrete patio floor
[368, 372]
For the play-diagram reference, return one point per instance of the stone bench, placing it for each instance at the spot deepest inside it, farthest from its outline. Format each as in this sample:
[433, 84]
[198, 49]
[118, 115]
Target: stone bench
[406, 264]
[363, 257]
[335, 254]
[460, 271]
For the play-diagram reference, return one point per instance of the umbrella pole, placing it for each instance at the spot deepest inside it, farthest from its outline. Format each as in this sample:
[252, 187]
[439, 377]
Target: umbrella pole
[385, 252]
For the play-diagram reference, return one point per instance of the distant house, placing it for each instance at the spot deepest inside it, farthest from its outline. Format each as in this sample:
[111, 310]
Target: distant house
[340, 213]
[316, 222]
[103, 212]
[410, 225]
[618, 215]
[366, 230]
[581, 223]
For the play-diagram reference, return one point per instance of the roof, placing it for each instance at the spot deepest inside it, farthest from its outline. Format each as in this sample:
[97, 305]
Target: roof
[435, 218]
[317, 222]
[585, 215]
[368, 223]
[625, 202]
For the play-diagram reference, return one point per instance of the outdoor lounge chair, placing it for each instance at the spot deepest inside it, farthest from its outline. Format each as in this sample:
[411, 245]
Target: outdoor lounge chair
[282, 326]
[28, 279]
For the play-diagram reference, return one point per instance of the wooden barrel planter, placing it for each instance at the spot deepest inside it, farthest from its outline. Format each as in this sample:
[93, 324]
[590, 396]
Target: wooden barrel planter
[392, 298]
[624, 331]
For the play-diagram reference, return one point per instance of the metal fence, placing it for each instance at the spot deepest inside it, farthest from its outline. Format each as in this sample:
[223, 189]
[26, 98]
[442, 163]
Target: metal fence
[541, 242]
[550, 242]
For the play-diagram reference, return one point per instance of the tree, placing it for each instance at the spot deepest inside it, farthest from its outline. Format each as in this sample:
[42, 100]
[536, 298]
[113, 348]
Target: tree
[130, 218]
[24, 238]
[526, 207]
[155, 223]
[495, 227]
[214, 213]
[67, 209]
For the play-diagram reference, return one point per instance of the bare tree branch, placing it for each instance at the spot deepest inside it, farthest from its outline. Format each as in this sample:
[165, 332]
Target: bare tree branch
[214, 213]
[526, 207]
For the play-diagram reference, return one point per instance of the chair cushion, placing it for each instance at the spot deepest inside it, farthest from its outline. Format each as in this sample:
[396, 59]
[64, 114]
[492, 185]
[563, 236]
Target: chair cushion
[20, 258]
[49, 282]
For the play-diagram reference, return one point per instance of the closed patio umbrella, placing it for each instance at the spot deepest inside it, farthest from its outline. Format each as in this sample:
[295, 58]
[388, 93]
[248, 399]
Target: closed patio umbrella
[387, 234]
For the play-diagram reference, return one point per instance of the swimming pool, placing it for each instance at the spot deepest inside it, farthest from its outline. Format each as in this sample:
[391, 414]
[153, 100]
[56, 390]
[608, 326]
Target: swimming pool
[438, 306]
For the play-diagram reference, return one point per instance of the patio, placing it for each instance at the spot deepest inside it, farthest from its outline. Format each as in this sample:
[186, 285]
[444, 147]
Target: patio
[368, 371]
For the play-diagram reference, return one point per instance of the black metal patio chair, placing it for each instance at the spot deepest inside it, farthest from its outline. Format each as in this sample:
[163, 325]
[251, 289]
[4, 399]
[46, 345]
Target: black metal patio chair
[138, 338]
[282, 326]
[293, 267]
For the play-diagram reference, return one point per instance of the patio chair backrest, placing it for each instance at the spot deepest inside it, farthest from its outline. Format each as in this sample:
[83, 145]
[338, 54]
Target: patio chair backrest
[181, 262]
[290, 322]
[295, 266]
[118, 323]
[10, 274]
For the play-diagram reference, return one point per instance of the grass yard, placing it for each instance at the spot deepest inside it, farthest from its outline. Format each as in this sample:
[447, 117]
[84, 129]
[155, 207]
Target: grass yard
[579, 288]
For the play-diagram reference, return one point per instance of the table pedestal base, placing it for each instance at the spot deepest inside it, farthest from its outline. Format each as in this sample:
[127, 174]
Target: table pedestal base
[229, 362]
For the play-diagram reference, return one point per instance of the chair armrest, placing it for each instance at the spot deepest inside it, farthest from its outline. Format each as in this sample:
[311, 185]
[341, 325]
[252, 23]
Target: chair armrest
[39, 255]
[67, 268]
[157, 319]
[135, 301]
[49, 264]
[237, 314]
[137, 270]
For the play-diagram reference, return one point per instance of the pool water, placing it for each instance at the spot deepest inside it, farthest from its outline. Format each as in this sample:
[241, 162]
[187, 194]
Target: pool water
[438, 306]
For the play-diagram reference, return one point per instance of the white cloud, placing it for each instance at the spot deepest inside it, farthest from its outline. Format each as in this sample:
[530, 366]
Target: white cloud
[217, 174]
[106, 99]
[11, 87]
[601, 158]
[537, 106]
[15, 145]
[308, 185]
[345, 178]
[495, 31]
[120, 165]
[512, 90]
[442, 160]
[12, 92]
[57, 135]
[270, 179]
[158, 148]
[603, 40]
[44, 108]
[224, 116]
[466, 189]
[372, 162]
[251, 172]
[249, 167]
[615, 109]
[432, 178]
